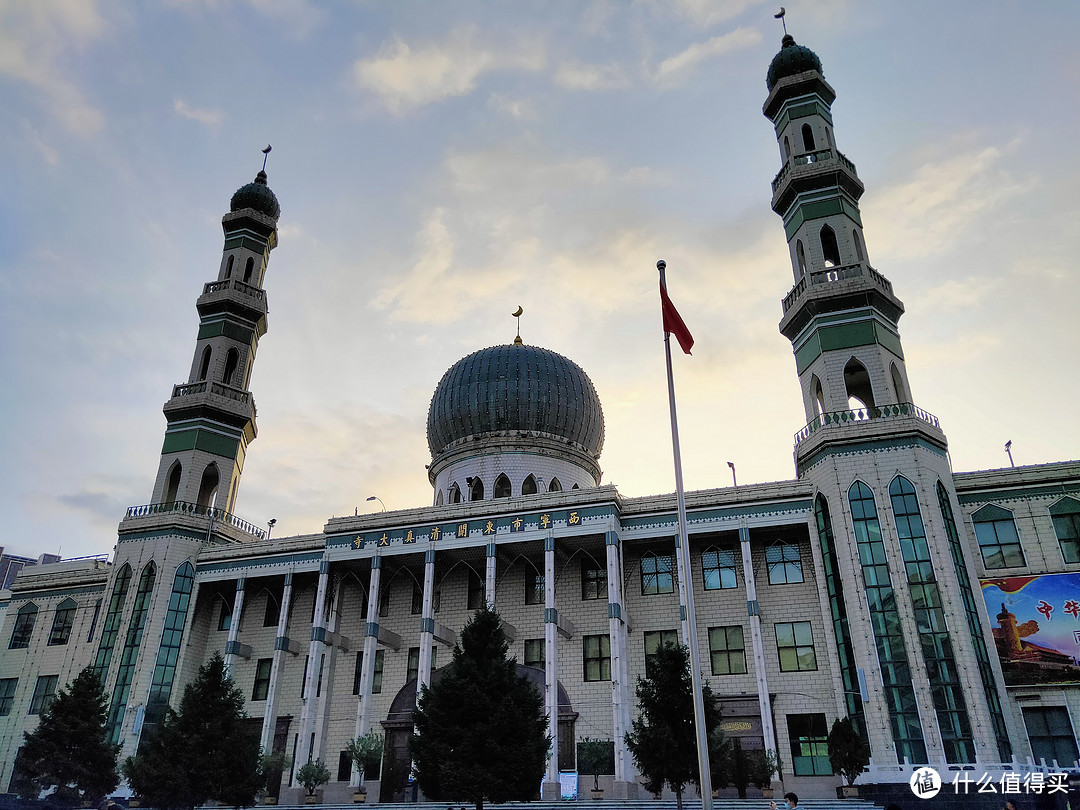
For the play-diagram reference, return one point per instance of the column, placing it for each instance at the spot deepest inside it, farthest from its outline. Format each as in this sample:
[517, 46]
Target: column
[318, 633]
[232, 645]
[764, 701]
[281, 646]
[489, 575]
[367, 666]
[325, 675]
[619, 668]
[427, 624]
[551, 668]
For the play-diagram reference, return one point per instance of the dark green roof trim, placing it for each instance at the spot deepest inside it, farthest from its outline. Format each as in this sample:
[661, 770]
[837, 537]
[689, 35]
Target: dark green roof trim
[987, 495]
[794, 109]
[185, 534]
[241, 333]
[201, 439]
[990, 513]
[260, 562]
[251, 241]
[801, 212]
[191, 424]
[863, 448]
[695, 518]
[845, 336]
[46, 593]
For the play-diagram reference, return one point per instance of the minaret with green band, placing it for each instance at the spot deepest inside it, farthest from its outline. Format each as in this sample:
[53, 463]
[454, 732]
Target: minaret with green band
[211, 417]
[841, 316]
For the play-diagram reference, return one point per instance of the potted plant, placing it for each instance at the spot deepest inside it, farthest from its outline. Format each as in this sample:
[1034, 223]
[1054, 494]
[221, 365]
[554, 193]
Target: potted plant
[592, 756]
[366, 753]
[312, 775]
[848, 754]
[761, 770]
[271, 767]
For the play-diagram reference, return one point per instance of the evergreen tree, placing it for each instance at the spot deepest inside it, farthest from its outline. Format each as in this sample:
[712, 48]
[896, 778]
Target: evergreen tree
[203, 751]
[663, 742]
[481, 730]
[70, 748]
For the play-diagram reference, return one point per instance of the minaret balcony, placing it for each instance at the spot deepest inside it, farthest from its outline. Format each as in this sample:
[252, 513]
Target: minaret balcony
[811, 171]
[216, 525]
[214, 396]
[233, 295]
[834, 289]
[863, 425]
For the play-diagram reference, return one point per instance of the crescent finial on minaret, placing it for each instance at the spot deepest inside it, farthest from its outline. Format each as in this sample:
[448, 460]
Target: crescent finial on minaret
[517, 314]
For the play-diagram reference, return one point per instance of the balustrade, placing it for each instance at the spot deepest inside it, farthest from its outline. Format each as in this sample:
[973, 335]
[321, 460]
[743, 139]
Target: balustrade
[188, 508]
[234, 284]
[838, 418]
[806, 159]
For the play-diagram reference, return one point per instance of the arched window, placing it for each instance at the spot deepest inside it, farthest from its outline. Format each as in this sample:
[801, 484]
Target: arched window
[169, 649]
[63, 621]
[438, 498]
[209, 486]
[528, 486]
[808, 138]
[858, 244]
[818, 395]
[228, 267]
[555, 486]
[575, 486]
[204, 365]
[502, 487]
[174, 482]
[249, 268]
[828, 137]
[857, 381]
[800, 257]
[787, 149]
[24, 627]
[1066, 517]
[830, 250]
[232, 360]
[454, 495]
[999, 543]
[898, 385]
[476, 489]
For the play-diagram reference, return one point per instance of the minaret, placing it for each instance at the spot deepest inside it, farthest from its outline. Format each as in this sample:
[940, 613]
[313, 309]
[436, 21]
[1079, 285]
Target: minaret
[915, 674]
[211, 417]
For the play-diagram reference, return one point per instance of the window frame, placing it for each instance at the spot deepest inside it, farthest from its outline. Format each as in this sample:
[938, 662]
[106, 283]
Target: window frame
[63, 623]
[260, 687]
[815, 739]
[44, 694]
[989, 546]
[661, 579]
[8, 687]
[593, 580]
[535, 643]
[800, 647]
[22, 632]
[658, 638]
[596, 662]
[535, 586]
[720, 582]
[727, 652]
[476, 591]
[775, 568]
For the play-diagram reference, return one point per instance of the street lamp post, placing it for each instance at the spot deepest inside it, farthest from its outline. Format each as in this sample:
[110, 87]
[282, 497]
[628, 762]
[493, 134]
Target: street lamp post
[377, 498]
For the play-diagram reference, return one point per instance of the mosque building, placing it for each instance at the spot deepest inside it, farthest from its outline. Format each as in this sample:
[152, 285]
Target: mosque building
[938, 610]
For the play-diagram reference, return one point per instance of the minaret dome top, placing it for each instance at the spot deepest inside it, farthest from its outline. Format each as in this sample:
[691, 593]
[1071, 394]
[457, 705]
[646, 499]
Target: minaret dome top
[790, 60]
[258, 196]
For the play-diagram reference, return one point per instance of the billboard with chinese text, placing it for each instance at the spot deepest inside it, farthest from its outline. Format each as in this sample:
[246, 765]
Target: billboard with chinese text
[1036, 627]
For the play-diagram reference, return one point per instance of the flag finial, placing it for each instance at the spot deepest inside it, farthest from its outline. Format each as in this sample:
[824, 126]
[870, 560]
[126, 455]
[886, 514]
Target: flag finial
[517, 315]
[661, 265]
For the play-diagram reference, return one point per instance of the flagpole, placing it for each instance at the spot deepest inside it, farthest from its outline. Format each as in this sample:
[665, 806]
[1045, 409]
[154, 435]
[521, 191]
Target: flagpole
[686, 589]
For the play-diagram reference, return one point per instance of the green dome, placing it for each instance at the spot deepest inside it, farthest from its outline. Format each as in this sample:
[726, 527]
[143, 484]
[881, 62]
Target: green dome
[256, 195]
[792, 59]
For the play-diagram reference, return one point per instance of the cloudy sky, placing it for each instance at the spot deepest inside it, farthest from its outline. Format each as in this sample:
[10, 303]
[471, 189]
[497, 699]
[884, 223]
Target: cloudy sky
[440, 163]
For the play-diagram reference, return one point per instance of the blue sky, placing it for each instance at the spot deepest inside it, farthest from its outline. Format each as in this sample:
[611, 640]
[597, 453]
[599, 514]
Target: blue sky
[439, 164]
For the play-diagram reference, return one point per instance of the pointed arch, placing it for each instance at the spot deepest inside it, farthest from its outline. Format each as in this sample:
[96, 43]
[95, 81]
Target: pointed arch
[24, 627]
[1065, 515]
[204, 364]
[808, 138]
[898, 384]
[209, 486]
[858, 244]
[800, 257]
[249, 268]
[232, 360]
[818, 394]
[787, 149]
[438, 498]
[454, 494]
[476, 489]
[529, 485]
[502, 488]
[173, 485]
[830, 250]
[857, 381]
[555, 485]
[228, 267]
[575, 486]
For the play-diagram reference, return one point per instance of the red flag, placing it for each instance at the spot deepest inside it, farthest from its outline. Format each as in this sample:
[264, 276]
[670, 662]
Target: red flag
[673, 322]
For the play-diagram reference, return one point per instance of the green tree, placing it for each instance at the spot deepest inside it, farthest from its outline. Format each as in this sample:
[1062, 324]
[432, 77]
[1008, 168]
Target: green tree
[70, 748]
[481, 730]
[848, 752]
[203, 751]
[663, 742]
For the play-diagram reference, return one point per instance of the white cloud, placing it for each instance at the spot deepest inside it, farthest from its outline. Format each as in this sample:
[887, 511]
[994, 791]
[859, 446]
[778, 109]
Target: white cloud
[406, 76]
[33, 38]
[582, 76]
[518, 108]
[210, 118]
[682, 64]
[703, 13]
